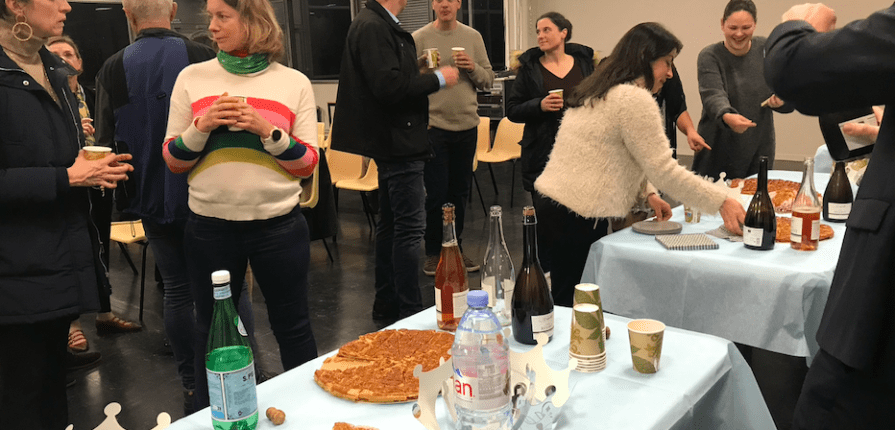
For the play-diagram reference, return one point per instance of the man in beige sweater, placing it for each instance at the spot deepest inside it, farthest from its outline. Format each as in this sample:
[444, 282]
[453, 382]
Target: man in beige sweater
[453, 122]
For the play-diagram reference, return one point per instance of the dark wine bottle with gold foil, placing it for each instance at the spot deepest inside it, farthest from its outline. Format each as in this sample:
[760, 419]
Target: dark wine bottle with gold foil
[838, 196]
[532, 303]
[760, 226]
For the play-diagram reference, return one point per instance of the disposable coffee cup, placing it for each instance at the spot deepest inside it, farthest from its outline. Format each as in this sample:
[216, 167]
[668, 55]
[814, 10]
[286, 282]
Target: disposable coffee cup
[242, 99]
[558, 92]
[97, 152]
[587, 331]
[432, 57]
[457, 49]
[587, 293]
[646, 337]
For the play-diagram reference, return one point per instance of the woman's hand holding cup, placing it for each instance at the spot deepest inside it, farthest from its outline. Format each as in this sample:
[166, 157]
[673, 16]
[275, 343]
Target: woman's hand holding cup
[223, 111]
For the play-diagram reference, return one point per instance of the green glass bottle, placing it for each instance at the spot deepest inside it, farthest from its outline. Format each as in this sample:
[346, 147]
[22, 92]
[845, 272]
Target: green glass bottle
[229, 364]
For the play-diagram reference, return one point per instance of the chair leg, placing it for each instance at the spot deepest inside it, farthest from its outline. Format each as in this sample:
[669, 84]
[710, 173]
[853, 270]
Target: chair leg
[475, 182]
[493, 181]
[143, 281]
[330, 254]
[368, 211]
[336, 197]
[512, 183]
[127, 256]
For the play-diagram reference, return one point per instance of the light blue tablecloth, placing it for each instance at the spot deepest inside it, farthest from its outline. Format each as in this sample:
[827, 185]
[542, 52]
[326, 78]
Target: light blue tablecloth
[768, 299]
[703, 382]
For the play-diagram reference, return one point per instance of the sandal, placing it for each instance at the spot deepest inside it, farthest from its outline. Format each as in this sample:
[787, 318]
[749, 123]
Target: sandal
[116, 325]
[77, 341]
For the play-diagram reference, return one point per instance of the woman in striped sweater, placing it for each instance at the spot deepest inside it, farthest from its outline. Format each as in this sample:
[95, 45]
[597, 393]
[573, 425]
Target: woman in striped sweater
[244, 128]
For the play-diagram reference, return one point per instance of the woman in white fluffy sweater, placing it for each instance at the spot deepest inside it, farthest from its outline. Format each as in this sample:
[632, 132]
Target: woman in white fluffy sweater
[611, 153]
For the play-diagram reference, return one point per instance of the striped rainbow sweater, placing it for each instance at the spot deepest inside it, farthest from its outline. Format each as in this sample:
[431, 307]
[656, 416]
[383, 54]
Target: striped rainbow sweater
[231, 175]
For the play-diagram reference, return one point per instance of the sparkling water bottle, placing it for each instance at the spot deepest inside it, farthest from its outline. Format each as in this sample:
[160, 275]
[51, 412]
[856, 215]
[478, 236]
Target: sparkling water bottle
[229, 364]
[481, 369]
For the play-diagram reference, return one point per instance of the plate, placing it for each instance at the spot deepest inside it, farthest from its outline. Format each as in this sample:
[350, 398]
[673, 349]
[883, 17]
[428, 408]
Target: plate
[654, 227]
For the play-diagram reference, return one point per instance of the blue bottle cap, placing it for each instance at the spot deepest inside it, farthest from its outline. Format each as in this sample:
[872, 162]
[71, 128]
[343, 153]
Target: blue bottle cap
[477, 298]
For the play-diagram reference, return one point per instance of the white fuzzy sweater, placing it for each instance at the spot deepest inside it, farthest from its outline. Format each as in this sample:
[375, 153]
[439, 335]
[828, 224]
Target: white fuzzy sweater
[609, 154]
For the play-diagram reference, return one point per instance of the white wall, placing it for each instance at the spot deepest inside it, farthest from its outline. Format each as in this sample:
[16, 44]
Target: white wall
[600, 23]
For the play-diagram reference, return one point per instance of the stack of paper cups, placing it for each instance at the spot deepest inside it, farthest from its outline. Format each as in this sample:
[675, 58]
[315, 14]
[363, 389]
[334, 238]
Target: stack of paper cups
[590, 293]
[588, 344]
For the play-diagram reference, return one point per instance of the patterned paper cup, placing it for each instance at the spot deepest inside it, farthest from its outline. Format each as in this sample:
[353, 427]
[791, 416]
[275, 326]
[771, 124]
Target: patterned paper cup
[587, 293]
[646, 344]
[97, 152]
[587, 331]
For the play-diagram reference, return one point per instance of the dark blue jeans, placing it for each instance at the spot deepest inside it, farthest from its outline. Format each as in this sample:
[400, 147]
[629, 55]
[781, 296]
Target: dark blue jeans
[448, 178]
[166, 241]
[278, 250]
[398, 235]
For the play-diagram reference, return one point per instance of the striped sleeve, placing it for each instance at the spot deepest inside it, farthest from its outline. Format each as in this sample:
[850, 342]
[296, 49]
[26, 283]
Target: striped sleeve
[299, 159]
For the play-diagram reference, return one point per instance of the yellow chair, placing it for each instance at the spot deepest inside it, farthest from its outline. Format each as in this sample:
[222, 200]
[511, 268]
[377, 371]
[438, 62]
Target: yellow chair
[483, 141]
[125, 233]
[321, 134]
[368, 182]
[506, 148]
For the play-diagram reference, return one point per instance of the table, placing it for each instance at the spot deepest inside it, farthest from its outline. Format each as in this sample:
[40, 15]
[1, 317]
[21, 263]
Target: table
[703, 382]
[767, 299]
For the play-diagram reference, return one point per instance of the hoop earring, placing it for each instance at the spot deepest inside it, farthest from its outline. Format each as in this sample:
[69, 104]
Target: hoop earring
[25, 28]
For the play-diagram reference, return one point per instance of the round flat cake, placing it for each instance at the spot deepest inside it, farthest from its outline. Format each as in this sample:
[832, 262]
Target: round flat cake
[378, 367]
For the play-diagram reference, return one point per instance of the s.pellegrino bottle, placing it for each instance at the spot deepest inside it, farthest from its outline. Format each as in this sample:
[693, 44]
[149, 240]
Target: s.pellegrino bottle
[480, 356]
[498, 273]
[229, 364]
[805, 229]
[532, 303]
[451, 283]
[838, 196]
[760, 226]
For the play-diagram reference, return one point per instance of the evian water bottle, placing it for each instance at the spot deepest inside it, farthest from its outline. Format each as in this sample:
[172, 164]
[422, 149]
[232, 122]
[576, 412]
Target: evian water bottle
[481, 369]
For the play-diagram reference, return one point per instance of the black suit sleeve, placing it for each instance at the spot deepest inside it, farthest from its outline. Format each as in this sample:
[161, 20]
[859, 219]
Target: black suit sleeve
[840, 70]
[380, 60]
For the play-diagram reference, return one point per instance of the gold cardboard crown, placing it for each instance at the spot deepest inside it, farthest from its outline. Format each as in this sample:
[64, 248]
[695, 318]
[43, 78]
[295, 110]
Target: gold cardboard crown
[111, 422]
[539, 392]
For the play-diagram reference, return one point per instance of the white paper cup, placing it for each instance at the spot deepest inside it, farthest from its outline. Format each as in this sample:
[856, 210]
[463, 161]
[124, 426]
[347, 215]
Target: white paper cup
[97, 152]
[646, 337]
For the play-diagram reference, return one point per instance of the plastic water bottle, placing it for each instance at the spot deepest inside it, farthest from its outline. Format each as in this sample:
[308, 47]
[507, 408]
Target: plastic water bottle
[229, 364]
[481, 369]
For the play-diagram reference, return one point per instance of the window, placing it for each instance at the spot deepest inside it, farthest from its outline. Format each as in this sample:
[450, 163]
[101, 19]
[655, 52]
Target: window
[321, 26]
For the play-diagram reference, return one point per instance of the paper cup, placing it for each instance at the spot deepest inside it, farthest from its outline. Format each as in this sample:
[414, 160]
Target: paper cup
[587, 331]
[646, 344]
[556, 92]
[431, 57]
[587, 293]
[457, 50]
[242, 99]
[97, 152]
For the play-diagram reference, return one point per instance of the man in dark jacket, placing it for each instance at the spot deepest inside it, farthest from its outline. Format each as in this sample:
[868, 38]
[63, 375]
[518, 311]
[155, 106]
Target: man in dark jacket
[851, 382]
[383, 111]
[133, 94]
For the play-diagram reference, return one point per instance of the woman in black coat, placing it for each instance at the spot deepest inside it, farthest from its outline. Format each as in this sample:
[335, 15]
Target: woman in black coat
[49, 253]
[554, 64]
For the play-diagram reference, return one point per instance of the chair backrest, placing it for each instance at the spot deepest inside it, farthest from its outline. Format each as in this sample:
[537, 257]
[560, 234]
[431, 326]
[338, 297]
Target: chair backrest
[344, 165]
[483, 144]
[310, 189]
[507, 137]
[321, 134]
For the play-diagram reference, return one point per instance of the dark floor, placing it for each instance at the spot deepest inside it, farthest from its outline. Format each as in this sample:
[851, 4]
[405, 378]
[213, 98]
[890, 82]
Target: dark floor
[137, 370]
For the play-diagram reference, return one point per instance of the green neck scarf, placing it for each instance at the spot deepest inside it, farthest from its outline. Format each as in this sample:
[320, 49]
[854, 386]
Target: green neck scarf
[251, 63]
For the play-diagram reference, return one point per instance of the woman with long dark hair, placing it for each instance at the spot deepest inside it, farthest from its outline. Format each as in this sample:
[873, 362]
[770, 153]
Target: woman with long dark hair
[555, 64]
[611, 153]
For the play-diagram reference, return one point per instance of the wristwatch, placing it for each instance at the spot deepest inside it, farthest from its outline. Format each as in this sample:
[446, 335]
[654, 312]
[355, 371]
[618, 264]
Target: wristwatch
[274, 137]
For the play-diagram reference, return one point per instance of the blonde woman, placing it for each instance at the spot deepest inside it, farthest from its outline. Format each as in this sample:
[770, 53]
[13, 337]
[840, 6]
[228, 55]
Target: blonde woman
[243, 126]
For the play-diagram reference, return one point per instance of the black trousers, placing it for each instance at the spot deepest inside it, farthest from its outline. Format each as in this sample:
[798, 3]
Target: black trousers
[570, 236]
[32, 376]
[836, 396]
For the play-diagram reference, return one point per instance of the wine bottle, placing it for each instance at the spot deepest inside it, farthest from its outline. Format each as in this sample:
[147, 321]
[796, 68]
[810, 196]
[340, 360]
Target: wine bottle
[451, 283]
[532, 303]
[805, 227]
[838, 196]
[498, 273]
[760, 226]
[229, 364]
